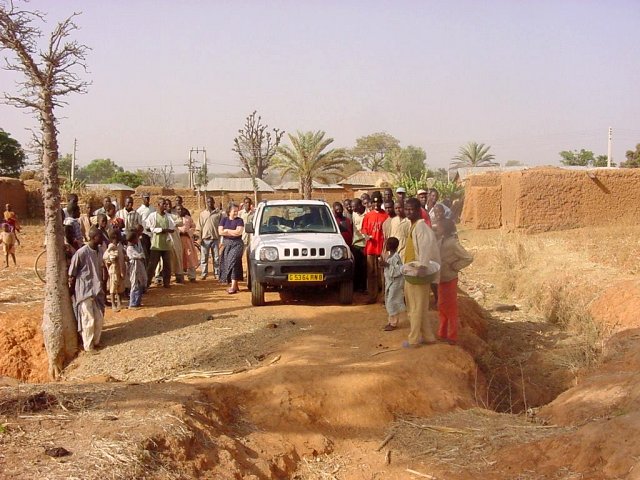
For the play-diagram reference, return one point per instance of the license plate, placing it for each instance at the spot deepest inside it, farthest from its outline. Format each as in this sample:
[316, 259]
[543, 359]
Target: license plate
[305, 277]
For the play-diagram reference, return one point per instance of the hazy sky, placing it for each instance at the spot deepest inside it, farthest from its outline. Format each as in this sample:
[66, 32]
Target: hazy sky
[530, 78]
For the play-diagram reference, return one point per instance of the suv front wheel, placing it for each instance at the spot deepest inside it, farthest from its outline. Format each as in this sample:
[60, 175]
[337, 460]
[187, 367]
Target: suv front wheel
[257, 293]
[346, 292]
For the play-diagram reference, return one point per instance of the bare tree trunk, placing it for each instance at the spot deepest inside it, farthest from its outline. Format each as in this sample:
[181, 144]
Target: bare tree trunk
[58, 323]
[254, 183]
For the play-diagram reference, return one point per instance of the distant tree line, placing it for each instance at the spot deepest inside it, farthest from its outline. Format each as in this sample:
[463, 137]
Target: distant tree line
[586, 158]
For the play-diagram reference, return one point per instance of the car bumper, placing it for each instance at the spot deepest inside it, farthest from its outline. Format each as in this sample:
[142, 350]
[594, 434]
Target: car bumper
[277, 273]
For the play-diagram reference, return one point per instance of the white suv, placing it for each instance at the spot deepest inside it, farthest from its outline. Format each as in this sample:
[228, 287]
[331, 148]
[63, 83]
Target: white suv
[297, 243]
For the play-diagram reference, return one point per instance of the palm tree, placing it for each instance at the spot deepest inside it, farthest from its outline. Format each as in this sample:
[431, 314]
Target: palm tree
[474, 155]
[306, 160]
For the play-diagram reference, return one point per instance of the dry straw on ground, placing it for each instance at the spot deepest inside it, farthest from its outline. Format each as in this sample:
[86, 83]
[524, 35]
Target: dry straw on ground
[464, 440]
[556, 281]
[321, 467]
[32, 417]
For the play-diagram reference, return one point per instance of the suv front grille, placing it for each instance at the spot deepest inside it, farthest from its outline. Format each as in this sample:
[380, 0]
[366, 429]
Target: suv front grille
[304, 252]
[304, 269]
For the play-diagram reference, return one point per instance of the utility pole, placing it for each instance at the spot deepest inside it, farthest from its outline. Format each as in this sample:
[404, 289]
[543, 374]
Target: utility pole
[189, 169]
[73, 160]
[609, 147]
[205, 171]
[193, 170]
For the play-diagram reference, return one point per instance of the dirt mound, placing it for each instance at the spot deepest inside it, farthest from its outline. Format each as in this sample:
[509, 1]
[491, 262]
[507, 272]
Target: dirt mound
[22, 353]
[618, 306]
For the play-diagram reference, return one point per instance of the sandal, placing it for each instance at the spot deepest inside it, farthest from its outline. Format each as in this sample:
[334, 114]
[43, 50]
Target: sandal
[389, 328]
[231, 292]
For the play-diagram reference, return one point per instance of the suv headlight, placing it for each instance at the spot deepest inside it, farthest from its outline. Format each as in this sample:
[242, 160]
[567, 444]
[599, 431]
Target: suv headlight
[338, 253]
[269, 254]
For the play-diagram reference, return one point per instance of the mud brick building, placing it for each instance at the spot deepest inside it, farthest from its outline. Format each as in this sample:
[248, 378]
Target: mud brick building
[546, 198]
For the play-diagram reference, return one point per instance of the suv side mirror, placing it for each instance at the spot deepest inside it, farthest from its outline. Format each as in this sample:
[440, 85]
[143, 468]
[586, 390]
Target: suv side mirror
[249, 228]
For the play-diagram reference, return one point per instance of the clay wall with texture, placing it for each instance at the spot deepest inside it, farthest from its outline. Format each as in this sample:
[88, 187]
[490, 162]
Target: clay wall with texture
[545, 199]
[482, 207]
[12, 191]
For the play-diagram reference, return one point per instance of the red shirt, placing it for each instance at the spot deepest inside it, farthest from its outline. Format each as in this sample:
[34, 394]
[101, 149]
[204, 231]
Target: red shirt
[372, 225]
[425, 216]
[346, 228]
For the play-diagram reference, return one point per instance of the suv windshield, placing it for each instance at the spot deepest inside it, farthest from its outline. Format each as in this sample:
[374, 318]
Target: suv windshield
[296, 218]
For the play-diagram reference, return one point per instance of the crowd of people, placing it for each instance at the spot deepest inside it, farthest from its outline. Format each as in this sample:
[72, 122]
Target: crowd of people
[409, 249]
[117, 253]
[405, 247]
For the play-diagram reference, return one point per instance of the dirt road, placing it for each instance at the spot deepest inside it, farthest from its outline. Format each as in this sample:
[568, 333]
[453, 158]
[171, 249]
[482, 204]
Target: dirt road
[200, 384]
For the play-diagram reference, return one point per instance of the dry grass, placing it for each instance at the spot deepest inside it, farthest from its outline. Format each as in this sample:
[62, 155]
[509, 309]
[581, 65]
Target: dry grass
[558, 276]
[321, 467]
[615, 246]
[465, 440]
[33, 416]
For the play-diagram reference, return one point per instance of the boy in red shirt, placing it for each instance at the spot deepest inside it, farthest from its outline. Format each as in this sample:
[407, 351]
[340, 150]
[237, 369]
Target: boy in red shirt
[374, 235]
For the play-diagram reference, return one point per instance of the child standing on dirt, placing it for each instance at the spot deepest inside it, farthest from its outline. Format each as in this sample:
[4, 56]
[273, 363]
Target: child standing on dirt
[137, 269]
[8, 239]
[393, 284]
[86, 287]
[11, 218]
[453, 258]
[114, 260]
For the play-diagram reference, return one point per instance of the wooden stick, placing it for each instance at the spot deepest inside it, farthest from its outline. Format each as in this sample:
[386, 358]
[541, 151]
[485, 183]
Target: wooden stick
[386, 440]
[387, 458]
[438, 428]
[423, 475]
[385, 351]
[274, 360]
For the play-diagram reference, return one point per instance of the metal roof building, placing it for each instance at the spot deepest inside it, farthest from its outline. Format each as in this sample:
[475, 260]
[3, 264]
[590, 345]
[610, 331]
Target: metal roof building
[222, 184]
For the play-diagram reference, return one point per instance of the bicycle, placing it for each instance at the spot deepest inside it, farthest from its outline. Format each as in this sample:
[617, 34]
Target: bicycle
[40, 265]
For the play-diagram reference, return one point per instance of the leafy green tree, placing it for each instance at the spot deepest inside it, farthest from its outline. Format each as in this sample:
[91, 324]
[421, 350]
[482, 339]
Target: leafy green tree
[474, 155]
[371, 151]
[440, 175]
[350, 167]
[412, 183]
[307, 160]
[99, 170]
[602, 161]
[514, 163]
[450, 190]
[12, 157]
[582, 158]
[633, 158]
[64, 166]
[408, 160]
[130, 179]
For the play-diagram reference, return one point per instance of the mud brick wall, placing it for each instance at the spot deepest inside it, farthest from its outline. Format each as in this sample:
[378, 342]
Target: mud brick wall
[545, 199]
[555, 199]
[12, 191]
[511, 192]
[489, 179]
[482, 207]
